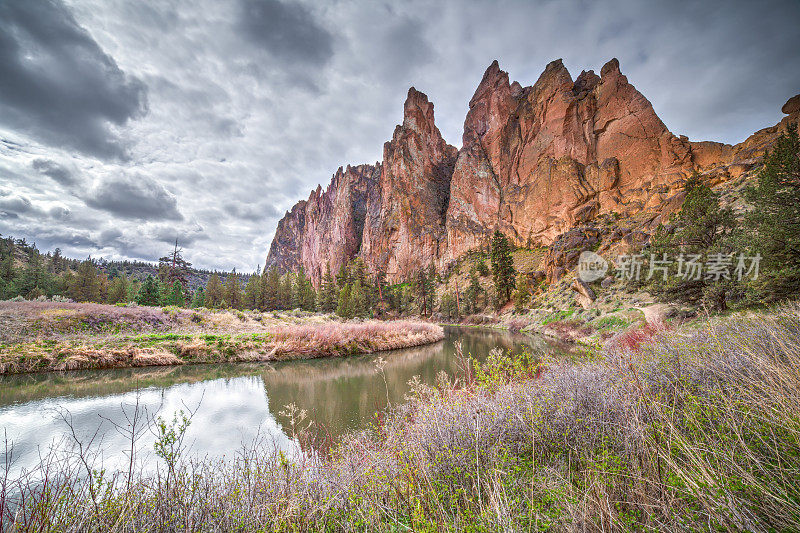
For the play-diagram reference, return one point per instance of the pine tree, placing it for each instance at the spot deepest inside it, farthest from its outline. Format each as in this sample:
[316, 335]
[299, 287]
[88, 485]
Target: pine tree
[358, 302]
[252, 292]
[199, 298]
[7, 270]
[87, 285]
[328, 293]
[214, 295]
[173, 295]
[304, 292]
[270, 287]
[522, 293]
[503, 272]
[473, 293]
[232, 291]
[119, 290]
[344, 304]
[419, 288]
[285, 292]
[772, 226]
[34, 277]
[149, 293]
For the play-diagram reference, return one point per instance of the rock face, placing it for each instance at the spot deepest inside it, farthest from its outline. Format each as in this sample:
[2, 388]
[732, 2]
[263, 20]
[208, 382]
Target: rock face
[535, 163]
[325, 230]
[406, 214]
[539, 160]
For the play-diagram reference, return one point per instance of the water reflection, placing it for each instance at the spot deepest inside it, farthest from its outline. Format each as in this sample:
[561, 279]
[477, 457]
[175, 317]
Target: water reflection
[237, 403]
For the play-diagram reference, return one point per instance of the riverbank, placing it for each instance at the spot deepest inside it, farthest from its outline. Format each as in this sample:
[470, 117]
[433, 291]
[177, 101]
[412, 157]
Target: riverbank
[692, 430]
[50, 336]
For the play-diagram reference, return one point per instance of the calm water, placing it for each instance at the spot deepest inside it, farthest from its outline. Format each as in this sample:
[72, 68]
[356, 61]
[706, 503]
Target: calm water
[235, 404]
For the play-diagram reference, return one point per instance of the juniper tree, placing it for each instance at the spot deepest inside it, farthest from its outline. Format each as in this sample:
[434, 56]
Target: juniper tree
[698, 233]
[772, 226]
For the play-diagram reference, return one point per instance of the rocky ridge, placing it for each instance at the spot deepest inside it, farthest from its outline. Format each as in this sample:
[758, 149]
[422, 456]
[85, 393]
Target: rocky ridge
[536, 162]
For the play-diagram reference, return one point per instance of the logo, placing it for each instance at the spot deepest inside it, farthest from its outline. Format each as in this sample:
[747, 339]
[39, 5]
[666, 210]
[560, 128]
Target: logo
[591, 266]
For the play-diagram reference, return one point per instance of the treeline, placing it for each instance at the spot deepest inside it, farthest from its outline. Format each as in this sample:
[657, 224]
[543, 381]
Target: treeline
[26, 273]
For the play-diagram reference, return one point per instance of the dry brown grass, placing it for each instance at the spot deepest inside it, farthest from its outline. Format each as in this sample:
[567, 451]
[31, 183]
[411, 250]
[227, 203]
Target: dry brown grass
[46, 336]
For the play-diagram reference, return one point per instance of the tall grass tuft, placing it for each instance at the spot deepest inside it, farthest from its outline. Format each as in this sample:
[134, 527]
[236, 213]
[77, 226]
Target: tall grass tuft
[691, 430]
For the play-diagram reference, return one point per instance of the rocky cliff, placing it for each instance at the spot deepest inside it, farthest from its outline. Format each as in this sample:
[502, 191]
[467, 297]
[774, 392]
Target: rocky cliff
[327, 229]
[406, 216]
[535, 162]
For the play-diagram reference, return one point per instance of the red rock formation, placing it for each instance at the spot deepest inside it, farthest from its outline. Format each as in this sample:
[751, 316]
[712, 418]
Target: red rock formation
[405, 217]
[535, 162]
[327, 228]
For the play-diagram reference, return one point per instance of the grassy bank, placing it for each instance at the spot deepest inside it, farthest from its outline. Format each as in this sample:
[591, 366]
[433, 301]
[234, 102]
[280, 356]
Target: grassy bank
[45, 336]
[692, 430]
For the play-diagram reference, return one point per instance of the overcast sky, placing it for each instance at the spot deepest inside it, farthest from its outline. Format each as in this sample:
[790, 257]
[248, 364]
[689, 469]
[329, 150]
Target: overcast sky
[124, 124]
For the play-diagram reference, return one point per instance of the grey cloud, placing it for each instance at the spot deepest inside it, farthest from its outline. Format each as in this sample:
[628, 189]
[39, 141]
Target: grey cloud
[287, 31]
[59, 173]
[254, 213]
[134, 197]
[13, 206]
[59, 213]
[57, 85]
[186, 236]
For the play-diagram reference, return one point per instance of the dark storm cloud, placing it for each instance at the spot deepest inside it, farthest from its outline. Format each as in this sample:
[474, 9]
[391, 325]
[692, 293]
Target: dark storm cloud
[57, 85]
[134, 197]
[287, 30]
[58, 173]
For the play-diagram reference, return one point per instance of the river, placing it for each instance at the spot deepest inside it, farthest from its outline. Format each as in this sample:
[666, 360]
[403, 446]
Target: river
[233, 404]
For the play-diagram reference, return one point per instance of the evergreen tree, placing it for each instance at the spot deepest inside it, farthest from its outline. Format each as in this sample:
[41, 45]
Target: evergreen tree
[270, 288]
[232, 291]
[199, 298]
[286, 292]
[34, 278]
[344, 304]
[173, 294]
[304, 292]
[522, 294]
[503, 272]
[698, 233]
[87, 285]
[772, 226]
[472, 295]
[7, 270]
[119, 290]
[419, 287]
[328, 293]
[358, 300]
[448, 305]
[214, 295]
[252, 293]
[149, 293]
